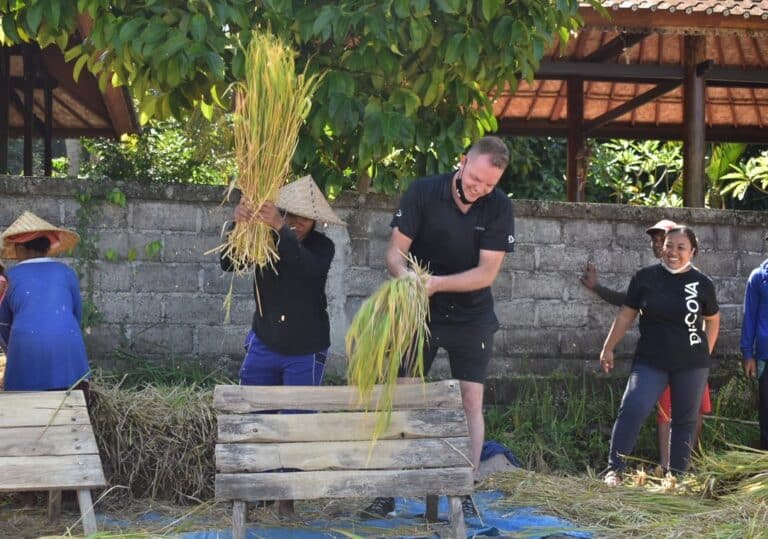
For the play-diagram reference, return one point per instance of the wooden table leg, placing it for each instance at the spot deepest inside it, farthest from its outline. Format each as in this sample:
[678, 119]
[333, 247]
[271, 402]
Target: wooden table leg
[86, 511]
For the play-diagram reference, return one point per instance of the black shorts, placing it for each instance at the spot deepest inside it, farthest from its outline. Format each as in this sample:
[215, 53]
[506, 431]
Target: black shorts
[469, 350]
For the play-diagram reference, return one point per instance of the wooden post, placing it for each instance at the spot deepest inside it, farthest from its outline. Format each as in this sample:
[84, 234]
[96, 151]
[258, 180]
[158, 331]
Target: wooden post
[430, 515]
[576, 146]
[86, 511]
[48, 135]
[238, 519]
[5, 102]
[694, 127]
[29, 111]
[458, 527]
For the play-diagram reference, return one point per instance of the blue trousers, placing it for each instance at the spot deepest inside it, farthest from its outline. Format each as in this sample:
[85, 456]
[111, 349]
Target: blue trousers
[263, 367]
[762, 394]
[644, 388]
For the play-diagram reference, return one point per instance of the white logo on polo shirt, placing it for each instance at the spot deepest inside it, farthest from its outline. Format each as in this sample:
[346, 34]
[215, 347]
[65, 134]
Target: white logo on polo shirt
[510, 239]
[692, 305]
[399, 213]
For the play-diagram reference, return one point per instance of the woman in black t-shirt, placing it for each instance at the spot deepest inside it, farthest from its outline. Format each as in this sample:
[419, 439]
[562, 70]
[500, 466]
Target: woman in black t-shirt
[679, 324]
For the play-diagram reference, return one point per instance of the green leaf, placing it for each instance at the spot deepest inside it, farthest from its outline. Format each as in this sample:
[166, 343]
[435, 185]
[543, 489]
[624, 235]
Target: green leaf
[34, 16]
[154, 32]
[111, 255]
[199, 27]
[403, 9]
[152, 249]
[54, 9]
[132, 254]
[129, 30]
[207, 110]
[73, 53]
[489, 8]
[322, 25]
[453, 49]
[502, 31]
[79, 67]
[471, 51]
[451, 7]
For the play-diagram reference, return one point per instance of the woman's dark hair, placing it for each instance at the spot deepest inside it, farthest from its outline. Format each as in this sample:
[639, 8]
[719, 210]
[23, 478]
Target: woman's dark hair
[39, 245]
[689, 233]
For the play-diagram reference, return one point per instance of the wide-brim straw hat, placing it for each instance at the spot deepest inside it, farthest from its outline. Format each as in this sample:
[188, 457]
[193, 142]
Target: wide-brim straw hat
[29, 223]
[304, 198]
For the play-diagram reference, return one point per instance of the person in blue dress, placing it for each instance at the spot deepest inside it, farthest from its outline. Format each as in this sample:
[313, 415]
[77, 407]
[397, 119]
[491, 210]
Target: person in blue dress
[42, 310]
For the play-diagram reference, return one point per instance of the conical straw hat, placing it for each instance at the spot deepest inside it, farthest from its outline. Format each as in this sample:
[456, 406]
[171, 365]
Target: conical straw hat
[29, 223]
[304, 198]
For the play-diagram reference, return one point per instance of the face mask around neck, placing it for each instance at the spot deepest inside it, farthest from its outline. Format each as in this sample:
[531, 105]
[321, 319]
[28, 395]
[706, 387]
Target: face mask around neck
[675, 271]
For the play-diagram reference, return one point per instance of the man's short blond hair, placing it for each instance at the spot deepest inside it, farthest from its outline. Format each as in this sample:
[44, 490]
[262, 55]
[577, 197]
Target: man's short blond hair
[494, 148]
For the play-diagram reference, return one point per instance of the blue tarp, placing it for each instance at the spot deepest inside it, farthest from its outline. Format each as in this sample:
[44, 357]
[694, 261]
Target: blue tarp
[497, 521]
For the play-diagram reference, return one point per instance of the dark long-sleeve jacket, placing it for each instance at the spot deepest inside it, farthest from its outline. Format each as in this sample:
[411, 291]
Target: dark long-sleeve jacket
[294, 308]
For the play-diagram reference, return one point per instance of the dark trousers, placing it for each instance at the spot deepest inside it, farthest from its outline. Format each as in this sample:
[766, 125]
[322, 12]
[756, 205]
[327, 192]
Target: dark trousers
[644, 388]
[762, 407]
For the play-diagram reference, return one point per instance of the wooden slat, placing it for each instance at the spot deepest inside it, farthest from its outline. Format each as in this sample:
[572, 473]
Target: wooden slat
[386, 454]
[48, 473]
[245, 399]
[343, 484]
[39, 441]
[39, 408]
[335, 427]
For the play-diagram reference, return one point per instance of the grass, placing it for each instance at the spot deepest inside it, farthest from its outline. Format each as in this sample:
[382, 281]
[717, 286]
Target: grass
[564, 425]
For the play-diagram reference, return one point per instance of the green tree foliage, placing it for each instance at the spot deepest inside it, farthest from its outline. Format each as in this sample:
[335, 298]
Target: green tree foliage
[166, 151]
[407, 80]
[536, 168]
[646, 173]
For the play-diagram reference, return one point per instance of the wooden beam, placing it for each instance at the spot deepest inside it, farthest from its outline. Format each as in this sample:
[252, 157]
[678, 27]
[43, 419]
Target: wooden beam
[650, 73]
[694, 140]
[616, 46]
[29, 115]
[576, 145]
[5, 103]
[520, 127]
[37, 123]
[632, 104]
[48, 136]
[617, 72]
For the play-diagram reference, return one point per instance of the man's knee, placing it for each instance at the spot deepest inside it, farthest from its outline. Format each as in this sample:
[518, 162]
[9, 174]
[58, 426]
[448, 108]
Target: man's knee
[472, 397]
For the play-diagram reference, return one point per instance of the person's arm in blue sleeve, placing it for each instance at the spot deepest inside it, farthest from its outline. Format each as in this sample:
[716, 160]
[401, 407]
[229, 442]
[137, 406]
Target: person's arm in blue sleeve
[749, 324]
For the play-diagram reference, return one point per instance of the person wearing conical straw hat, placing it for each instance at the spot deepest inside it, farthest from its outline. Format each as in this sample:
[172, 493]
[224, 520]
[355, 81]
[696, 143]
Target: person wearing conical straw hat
[290, 335]
[41, 313]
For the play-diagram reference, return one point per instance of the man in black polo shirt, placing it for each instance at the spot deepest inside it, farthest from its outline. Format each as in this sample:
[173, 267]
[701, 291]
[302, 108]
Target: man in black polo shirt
[460, 225]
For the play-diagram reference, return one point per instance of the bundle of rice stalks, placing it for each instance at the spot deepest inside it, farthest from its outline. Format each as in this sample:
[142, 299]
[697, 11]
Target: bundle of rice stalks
[270, 107]
[157, 441]
[631, 512]
[389, 329]
[740, 471]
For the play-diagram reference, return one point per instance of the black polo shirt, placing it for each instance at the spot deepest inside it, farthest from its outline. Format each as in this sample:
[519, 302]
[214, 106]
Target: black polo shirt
[449, 242]
[672, 307]
[294, 309]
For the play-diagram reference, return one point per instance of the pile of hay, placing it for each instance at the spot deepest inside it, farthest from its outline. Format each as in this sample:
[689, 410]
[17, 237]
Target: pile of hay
[634, 512]
[157, 441]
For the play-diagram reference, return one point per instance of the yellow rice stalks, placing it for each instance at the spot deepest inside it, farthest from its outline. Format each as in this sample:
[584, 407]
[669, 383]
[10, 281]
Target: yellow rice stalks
[270, 107]
[741, 471]
[389, 328]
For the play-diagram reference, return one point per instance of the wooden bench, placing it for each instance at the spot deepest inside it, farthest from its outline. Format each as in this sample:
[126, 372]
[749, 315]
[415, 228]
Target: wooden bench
[47, 443]
[424, 452]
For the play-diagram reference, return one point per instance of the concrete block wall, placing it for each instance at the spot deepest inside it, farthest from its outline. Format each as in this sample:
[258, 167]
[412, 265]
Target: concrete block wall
[168, 304]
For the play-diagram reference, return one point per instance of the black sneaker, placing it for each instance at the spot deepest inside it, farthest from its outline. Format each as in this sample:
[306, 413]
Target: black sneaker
[468, 507]
[379, 508]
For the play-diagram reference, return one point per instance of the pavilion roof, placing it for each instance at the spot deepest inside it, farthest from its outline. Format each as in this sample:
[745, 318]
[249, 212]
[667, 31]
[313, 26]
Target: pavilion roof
[633, 65]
